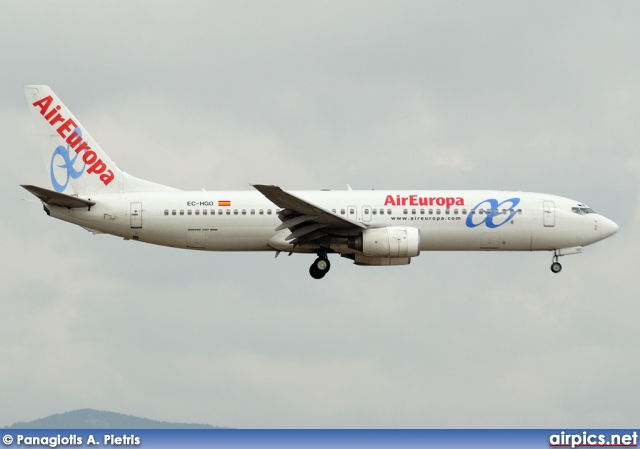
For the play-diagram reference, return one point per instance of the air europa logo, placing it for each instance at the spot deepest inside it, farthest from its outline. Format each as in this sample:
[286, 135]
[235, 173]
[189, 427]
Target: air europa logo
[67, 165]
[415, 200]
[492, 217]
[69, 130]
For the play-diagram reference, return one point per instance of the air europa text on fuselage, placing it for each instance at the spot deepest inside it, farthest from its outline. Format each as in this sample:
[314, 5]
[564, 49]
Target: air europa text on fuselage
[415, 200]
[66, 131]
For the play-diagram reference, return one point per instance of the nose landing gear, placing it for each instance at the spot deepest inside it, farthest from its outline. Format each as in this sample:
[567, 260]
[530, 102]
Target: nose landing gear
[320, 267]
[556, 267]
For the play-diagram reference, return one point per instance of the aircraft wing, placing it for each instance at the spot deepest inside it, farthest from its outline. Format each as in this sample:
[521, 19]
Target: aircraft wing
[58, 199]
[305, 220]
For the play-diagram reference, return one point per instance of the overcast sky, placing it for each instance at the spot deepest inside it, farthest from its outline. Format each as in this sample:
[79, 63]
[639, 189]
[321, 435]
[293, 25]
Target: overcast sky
[533, 96]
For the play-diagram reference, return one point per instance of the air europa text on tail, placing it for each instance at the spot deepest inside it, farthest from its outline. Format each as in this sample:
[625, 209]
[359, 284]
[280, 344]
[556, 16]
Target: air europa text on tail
[66, 130]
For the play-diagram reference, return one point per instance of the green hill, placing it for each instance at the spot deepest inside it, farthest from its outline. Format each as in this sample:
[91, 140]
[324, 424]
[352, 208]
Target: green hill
[95, 419]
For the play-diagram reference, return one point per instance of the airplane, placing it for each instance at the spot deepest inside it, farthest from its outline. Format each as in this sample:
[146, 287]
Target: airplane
[371, 227]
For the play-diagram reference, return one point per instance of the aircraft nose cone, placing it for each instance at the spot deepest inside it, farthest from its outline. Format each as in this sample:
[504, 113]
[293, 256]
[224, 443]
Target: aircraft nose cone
[609, 227]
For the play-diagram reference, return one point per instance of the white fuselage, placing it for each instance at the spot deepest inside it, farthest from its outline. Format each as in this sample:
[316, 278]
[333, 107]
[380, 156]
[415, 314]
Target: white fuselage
[246, 220]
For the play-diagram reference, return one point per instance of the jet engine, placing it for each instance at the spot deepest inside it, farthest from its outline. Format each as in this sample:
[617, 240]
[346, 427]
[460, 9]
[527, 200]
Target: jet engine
[391, 242]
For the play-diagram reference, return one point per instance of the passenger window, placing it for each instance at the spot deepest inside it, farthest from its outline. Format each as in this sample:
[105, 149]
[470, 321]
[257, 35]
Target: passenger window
[189, 212]
[197, 211]
[374, 211]
[421, 211]
[480, 211]
[253, 211]
[244, 211]
[388, 211]
[268, 211]
[333, 210]
[181, 211]
[413, 211]
[261, 211]
[455, 211]
[437, 211]
[173, 212]
[229, 212]
[235, 211]
[520, 211]
[352, 211]
[381, 211]
[405, 211]
[430, 211]
[366, 211]
[341, 211]
[204, 211]
[166, 211]
[464, 211]
[447, 211]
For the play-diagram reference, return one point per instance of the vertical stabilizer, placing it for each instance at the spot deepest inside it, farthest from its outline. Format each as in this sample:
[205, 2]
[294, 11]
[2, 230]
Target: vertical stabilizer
[74, 162]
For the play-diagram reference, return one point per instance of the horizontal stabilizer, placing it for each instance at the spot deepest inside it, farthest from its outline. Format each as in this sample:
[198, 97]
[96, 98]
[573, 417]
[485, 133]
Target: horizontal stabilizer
[58, 199]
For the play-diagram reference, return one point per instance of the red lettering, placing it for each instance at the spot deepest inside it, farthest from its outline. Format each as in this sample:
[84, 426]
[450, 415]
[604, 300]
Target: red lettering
[89, 157]
[107, 177]
[68, 125]
[67, 130]
[74, 139]
[389, 201]
[83, 146]
[44, 104]
[51, 112]
[57, 119]
[98, 167]
[415, 200]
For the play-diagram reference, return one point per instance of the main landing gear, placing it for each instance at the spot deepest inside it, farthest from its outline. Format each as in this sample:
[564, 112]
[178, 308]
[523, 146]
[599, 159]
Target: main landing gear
[320, 267]
[555, 265]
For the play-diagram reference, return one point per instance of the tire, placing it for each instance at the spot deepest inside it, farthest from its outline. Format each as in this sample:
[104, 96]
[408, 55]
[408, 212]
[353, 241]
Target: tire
[315, 273]
[556, 267]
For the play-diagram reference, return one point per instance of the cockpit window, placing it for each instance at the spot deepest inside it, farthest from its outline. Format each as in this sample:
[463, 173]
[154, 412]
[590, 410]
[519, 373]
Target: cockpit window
[582, 210]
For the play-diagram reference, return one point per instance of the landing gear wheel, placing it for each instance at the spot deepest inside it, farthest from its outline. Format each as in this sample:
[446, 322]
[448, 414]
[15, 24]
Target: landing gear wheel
[315, 273]
[319, 268]
[556, 267]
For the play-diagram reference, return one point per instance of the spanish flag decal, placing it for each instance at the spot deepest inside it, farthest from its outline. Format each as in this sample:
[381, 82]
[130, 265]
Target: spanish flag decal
[224, 203]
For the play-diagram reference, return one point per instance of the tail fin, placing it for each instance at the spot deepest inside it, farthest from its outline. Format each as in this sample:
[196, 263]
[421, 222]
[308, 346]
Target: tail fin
[74, 161]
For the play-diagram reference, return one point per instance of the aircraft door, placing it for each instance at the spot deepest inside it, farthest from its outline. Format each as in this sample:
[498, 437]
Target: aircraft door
[549, 213]
[136, 215]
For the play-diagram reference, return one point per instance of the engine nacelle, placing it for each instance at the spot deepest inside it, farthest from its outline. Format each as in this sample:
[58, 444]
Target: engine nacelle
[391, 242]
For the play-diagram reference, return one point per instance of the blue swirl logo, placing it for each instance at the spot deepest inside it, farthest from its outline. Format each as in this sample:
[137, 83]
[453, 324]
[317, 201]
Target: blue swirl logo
[67, 164]
[491, 216]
